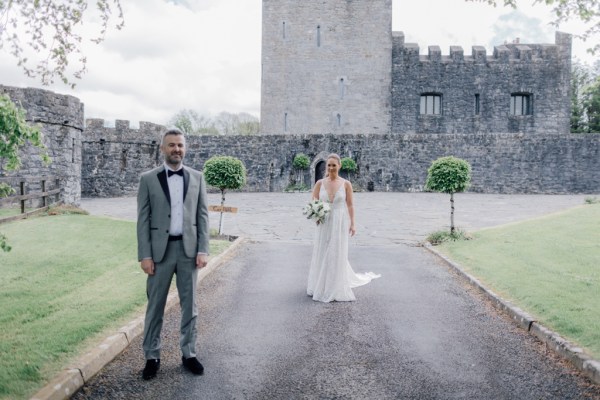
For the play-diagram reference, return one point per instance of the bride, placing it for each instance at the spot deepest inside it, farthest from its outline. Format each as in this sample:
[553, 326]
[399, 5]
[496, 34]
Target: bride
[331, 277]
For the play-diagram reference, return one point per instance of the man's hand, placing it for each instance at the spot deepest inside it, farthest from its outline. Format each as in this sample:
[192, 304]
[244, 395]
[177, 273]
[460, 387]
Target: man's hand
[148, 266]
[201, 260]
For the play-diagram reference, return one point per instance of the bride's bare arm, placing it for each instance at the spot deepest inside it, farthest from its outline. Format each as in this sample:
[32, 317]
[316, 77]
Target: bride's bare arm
[350, 205]
[316, 189]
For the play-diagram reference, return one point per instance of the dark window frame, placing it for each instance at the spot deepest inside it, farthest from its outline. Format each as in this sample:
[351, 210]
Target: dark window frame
[431, 104]
[521, 104]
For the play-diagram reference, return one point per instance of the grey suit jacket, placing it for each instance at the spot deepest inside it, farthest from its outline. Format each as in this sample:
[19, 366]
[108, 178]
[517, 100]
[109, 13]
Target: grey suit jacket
[154, 214]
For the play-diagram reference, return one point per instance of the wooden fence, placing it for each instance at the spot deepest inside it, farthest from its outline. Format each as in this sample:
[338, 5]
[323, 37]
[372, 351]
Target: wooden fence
[21, 186]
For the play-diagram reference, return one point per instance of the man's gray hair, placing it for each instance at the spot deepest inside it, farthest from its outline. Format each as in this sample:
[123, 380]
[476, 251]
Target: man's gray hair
[172, 131]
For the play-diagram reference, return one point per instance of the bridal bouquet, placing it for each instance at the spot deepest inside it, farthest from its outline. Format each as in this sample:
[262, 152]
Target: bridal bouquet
[316, 210]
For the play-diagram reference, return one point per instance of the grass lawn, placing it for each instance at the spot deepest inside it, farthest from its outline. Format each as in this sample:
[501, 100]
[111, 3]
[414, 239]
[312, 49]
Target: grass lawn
[548, 266]
[68, 279]
[9, 212]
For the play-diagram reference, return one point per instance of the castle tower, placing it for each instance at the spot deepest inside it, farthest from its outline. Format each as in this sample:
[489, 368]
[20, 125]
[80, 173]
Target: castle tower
[326, 66]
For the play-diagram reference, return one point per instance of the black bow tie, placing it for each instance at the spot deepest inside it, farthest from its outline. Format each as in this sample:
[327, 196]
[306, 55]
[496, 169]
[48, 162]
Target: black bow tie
[178, 172]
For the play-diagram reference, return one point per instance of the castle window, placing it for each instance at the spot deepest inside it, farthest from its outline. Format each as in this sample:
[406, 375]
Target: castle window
[431, 104]
[283, 29]
[477, 109]
[342, 88]
[285, 122]
[318, 35]
[520, 104]
[339, 120]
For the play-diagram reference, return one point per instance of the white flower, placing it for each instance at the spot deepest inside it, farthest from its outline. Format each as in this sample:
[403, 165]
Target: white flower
[317, 210]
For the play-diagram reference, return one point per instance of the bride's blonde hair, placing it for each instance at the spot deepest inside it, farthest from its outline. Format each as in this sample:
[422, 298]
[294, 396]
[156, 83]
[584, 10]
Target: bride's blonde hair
[337, 158]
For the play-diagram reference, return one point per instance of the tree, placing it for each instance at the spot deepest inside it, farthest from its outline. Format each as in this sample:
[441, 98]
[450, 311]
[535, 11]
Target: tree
[301, 163]
[585, 11]
[592, 105]
[449, 175]
[225, 123]
[248, 124]
[49, 31]
[585, 98]
[236, 124]
[224, 173]
[14, 133]
[193, 123]
[580, 78]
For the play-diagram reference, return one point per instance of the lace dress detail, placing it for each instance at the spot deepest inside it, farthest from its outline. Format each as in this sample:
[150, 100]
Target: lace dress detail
[331, 277]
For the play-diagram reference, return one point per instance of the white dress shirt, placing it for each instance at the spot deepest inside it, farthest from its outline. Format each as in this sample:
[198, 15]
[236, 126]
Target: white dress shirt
[176, 192]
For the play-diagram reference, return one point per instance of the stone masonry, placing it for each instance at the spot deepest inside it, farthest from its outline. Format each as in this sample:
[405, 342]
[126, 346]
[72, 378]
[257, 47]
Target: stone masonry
[540, 71]
[502, 163]
[61, 121]
[336, 67]
[107, 162]
[326, 66]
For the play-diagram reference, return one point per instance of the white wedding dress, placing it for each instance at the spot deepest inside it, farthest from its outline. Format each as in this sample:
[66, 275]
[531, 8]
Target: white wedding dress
[331, 277]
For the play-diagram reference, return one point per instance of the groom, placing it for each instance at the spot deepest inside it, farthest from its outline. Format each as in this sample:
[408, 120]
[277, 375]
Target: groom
[172, 232]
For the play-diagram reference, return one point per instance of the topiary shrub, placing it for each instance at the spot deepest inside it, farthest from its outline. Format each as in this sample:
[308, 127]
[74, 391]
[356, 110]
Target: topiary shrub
[301, 163]
[225, 173]
[449, 175]
[348, 165]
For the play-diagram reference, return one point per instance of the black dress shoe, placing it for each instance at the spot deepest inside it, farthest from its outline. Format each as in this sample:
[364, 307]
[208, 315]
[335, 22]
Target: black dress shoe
[193, 365]
[150, 369]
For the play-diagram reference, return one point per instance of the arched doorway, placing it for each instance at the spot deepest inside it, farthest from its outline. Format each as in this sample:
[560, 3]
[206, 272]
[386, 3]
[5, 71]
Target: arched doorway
[320, 170]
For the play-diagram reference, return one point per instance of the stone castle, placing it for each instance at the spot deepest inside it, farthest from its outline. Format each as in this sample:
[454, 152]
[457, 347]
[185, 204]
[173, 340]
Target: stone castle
[337, 67]
[336, 79]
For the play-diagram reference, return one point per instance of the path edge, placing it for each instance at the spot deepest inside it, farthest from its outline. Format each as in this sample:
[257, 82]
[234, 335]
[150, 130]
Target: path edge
[81, 370]
[561, 346]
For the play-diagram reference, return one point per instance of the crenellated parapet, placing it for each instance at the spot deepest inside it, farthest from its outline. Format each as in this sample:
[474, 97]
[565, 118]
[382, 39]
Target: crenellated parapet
[96, 129]
[505, 53]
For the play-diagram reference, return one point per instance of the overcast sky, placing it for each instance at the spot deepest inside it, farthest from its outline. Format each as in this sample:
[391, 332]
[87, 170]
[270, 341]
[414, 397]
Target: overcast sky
[205, 54]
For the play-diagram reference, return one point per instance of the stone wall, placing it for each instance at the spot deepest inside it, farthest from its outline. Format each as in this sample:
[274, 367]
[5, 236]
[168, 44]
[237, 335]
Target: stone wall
[61, 121]
[326, 66]
[502, 163]
[106, 162]
[541, 71]
[114, 158]
[337, 67]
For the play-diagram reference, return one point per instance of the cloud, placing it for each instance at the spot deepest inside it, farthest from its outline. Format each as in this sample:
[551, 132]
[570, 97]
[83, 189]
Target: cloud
[518, 25]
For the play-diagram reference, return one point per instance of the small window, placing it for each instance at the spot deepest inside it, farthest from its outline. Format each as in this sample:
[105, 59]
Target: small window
[477, 106]
[431, 104]
[339, 120]
[285, 122]
[283, 29]
[520, 104]
[342, 88]
[318, 35]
